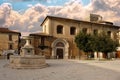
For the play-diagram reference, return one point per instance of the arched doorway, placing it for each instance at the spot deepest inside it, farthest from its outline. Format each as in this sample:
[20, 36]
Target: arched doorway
[59, 53]
[60, 49]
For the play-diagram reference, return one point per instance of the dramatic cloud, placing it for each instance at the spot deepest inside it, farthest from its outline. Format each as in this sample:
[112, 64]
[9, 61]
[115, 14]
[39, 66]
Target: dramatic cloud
[109, 9]
[30, 20]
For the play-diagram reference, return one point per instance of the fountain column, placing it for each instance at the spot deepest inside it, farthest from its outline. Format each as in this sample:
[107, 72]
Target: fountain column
[27, 49]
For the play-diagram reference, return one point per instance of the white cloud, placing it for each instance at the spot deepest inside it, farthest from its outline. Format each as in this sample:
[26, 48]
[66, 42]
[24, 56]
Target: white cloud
[30, 20]
[109, 9]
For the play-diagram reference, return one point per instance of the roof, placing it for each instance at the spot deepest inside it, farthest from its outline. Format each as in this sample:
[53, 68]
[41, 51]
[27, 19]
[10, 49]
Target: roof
[6, 30]
[68, 19]
[40, 34]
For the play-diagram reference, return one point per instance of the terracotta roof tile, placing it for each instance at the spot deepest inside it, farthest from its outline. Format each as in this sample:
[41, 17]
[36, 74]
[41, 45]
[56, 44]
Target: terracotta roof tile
[39, 34]
[68, 19]
[6, 30]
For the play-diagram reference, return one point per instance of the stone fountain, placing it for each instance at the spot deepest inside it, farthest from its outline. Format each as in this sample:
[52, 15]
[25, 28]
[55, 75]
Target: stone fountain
[27, 57]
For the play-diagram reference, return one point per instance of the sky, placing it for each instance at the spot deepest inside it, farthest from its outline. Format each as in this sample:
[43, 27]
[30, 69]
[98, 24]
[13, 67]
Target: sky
[26, 16]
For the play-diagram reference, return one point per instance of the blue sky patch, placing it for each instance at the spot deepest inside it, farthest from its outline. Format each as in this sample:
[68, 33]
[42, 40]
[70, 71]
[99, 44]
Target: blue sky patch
[23, 4]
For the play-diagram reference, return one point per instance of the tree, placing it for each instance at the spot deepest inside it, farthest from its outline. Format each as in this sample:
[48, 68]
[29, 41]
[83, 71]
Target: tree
[106, 44]
[84, 42]
[100, 43]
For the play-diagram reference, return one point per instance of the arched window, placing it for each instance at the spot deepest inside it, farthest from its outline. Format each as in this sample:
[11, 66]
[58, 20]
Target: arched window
[45, 28]
[10, 37]
[59, 29]
[109, 33]
[95, 32]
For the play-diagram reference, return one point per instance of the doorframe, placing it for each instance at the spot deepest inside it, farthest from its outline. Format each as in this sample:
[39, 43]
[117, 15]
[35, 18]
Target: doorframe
[65, 48]
[62, 49]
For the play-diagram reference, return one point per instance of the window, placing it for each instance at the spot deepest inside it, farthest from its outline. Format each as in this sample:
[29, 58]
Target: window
[72, 30]
[84, 30]
[45, 28]
[59, 29]
[10, 37]
[42, 40]
[109, 33]
[95, 32]
[10, 46]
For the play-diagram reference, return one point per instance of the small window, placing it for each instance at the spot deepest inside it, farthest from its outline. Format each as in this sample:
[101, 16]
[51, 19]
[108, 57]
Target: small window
[84, 30]
[59, 29]
[10, 37]
[45, 28]
[72, 30]
[42, 40]
[95, 32]
[109, 33]
[10, 46]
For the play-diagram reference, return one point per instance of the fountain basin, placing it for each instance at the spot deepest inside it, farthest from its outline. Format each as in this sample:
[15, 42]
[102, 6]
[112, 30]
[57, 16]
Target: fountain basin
[32, 61]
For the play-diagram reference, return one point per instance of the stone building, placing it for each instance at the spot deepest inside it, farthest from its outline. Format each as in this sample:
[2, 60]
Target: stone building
[59, 34]
[9, 40]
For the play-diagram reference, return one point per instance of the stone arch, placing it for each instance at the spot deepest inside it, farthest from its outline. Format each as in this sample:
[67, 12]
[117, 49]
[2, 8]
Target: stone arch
[64, 46]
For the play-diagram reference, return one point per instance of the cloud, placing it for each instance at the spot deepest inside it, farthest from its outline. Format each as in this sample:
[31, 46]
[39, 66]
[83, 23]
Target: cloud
[72, 9]
[5, 10]
[109, 9]
[30, 20]
[27, 22]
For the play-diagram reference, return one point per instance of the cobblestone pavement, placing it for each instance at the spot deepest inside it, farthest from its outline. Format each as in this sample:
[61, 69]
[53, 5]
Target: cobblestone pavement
[59, 70]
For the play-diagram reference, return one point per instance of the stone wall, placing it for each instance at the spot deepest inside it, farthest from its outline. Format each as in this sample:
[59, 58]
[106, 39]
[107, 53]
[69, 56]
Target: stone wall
[4, 41]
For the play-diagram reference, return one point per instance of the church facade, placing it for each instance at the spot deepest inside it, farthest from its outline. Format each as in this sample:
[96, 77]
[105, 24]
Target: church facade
[59, 34]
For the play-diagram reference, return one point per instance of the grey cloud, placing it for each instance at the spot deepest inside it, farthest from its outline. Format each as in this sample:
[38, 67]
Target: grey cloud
[2, 21]
[109, 9]
[100, 5]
